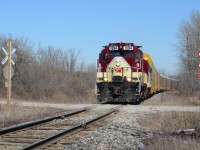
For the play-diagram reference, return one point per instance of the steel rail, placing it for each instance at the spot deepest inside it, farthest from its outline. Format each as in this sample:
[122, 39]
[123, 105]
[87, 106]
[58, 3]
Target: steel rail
[38, 122]
[46, 140]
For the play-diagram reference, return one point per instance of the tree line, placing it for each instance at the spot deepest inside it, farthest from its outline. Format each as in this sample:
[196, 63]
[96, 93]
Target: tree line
[48, 72]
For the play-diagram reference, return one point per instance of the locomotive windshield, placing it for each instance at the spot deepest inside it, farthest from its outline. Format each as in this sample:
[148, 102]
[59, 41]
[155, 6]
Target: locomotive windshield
[105, 55]
[121, 53]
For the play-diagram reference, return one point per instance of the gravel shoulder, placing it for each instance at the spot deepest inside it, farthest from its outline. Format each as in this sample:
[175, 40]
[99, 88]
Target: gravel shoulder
[119, 133]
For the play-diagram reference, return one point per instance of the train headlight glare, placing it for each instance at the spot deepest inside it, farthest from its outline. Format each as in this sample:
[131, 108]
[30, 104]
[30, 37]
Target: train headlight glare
[105, 79]
[117, 64]
[128, 79]
[117, 60]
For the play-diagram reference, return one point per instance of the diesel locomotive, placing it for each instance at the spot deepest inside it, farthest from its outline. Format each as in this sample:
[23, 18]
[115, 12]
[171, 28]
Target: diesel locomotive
[127, 75]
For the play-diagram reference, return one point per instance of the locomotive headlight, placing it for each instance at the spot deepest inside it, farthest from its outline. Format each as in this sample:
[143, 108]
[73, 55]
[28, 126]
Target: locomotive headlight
[117, 60]
[117, 64]
[128, 79]
[105, 79]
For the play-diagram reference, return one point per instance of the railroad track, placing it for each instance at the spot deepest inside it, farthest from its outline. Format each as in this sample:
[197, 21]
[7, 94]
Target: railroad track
[51, 132]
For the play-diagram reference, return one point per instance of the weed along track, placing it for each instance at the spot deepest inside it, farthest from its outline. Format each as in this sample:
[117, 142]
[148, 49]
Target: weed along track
[53, 133]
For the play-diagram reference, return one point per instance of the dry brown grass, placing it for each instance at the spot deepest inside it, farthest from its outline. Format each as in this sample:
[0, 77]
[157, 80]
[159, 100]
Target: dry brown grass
[16, 114]
[163, 124]
[172, 143]
[88, 98]
[171, 98]
[168, 121]
[60, 98]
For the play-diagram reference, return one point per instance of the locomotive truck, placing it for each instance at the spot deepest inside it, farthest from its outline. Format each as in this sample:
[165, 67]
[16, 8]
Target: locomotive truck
[127, 75]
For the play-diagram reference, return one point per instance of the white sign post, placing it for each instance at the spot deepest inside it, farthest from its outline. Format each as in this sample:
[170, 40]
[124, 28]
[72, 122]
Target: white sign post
[9, 75]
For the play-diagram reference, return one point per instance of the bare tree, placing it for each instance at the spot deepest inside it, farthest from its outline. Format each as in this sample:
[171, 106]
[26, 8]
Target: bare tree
[189, 45]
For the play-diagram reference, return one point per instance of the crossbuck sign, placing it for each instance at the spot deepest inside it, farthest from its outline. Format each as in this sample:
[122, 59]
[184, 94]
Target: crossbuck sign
[6, 58]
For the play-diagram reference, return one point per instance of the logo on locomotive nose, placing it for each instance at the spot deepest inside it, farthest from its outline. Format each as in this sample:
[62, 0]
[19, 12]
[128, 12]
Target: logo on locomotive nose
[118, 70]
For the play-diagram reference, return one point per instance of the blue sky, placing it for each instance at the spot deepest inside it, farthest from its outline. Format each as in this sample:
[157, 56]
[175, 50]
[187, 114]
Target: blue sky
[87, 25]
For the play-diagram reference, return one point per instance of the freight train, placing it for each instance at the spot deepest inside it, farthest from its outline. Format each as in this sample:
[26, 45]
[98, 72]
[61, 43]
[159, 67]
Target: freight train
[127, 75]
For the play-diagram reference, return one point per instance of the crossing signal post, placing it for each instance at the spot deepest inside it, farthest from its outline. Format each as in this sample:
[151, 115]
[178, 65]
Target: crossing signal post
[7, 70]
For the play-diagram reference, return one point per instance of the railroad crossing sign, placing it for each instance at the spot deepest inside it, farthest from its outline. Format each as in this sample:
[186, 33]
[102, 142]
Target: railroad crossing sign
[5, 72]
[6, 58]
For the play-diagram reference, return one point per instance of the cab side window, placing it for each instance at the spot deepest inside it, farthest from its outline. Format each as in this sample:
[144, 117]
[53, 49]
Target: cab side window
[137, 56]
[105, 55]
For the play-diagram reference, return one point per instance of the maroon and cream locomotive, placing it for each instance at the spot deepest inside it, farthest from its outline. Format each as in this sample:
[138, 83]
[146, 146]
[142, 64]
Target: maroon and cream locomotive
[127, 75]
